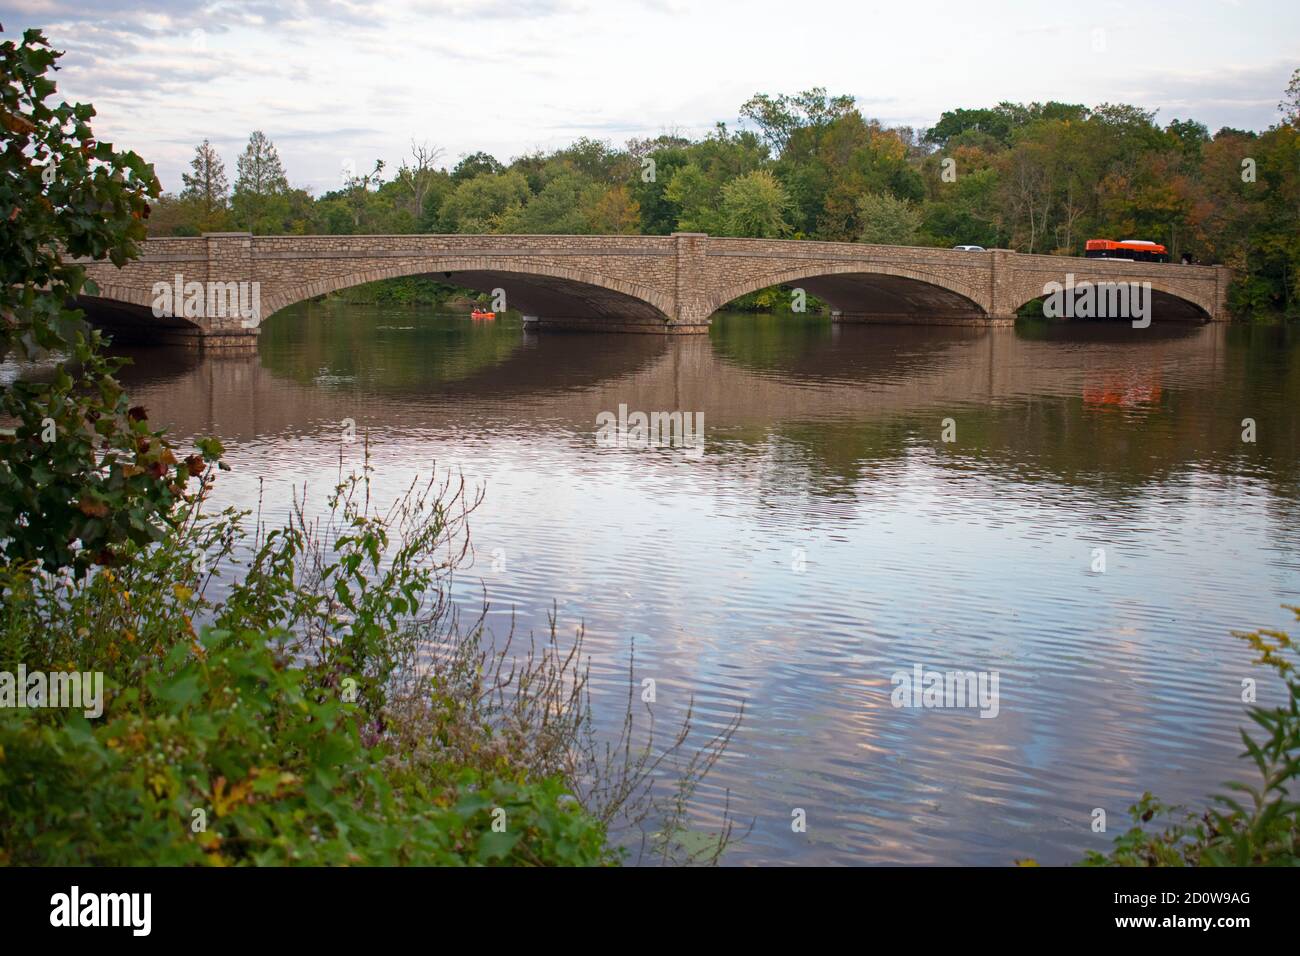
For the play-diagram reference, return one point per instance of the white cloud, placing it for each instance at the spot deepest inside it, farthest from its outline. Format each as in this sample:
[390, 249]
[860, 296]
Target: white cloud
[347, 79]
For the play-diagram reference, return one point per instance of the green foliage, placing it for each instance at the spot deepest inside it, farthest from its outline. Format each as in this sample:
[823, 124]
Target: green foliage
[1001, 121]
[331, 710]
[563, 207]
[594, 161]
[252, 721]
[1256, 824]
[755, 205]
[82, 475]
[695, 199]
[780, 117]
[483, 203]
[279, 775]
[967, 214]
[262, 202]
[205, 190]
[260, 171]
[65, 195]
[474, 165]
[658, 214]
[408, 290]
[888, 221]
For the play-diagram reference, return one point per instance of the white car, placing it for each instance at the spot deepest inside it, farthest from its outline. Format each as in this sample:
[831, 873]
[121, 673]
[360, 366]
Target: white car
[970, 248]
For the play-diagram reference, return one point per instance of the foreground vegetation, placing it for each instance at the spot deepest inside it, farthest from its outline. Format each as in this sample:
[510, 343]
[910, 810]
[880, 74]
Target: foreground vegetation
[327, 708]
[301, 695]
[1038, 177]
[1256, 824]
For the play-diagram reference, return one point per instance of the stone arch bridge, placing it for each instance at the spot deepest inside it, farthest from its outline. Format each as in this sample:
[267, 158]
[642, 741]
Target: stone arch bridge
[661, 284]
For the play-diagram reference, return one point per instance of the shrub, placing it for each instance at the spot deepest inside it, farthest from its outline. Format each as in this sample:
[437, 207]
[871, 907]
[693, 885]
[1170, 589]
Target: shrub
[1258, 824]
[225, 757]
[328, 708]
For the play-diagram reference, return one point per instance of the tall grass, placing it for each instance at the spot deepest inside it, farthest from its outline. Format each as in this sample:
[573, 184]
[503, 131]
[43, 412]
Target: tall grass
[356, 603]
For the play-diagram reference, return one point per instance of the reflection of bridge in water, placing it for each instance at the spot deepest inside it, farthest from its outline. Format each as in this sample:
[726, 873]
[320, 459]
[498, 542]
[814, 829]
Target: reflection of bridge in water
[665, 284]
[1030, 402]
[828, 372]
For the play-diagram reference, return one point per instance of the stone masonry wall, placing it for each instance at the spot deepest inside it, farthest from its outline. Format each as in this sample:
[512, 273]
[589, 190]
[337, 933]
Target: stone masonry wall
[646, 283]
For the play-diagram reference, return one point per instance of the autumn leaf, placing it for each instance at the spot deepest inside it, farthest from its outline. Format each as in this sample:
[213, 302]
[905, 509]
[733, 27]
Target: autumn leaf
[92, 507]
[223, 801]
[15, 123]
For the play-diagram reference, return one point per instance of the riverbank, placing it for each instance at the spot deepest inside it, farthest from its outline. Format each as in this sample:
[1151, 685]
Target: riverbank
[409, 290]
[316, 705]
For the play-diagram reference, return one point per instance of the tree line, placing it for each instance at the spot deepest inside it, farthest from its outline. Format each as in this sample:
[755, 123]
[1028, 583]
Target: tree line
[1038, 178]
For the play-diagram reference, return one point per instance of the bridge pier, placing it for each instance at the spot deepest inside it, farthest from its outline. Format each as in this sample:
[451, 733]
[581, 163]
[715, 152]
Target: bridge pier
[224, 339]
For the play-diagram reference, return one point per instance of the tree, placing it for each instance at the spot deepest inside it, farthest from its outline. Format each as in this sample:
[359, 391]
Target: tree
[616, 212]
[81, 472]
[259, 172]
[695, 197]
[1000, 122]
[755, 205]
[173, 216]
[563, 207]
[1026, 195]
[417, 178]
[658, 161]
[207, 185]
[1290, 105]
[991, 122]
[357, 190]
[260, 201]
[967, 213]
[851, 156]
[595, 160]
[476, 164]
[484, 203]
[1190, 135]
[778, 118]
[888, 221]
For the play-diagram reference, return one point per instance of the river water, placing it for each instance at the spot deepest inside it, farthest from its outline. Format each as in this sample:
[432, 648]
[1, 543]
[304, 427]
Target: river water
[827, 538]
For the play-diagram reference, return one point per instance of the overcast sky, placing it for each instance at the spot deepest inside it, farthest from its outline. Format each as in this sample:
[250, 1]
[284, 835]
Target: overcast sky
[336, 80]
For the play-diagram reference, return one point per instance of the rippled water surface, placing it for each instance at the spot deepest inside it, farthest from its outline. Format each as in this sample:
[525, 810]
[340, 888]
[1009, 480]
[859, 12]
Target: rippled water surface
[827, 538]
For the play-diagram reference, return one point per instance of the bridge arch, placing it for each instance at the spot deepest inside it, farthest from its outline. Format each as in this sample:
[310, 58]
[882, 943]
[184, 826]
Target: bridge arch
[869, 288]
[126, 313]
[1168, 301]
[545, 289]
